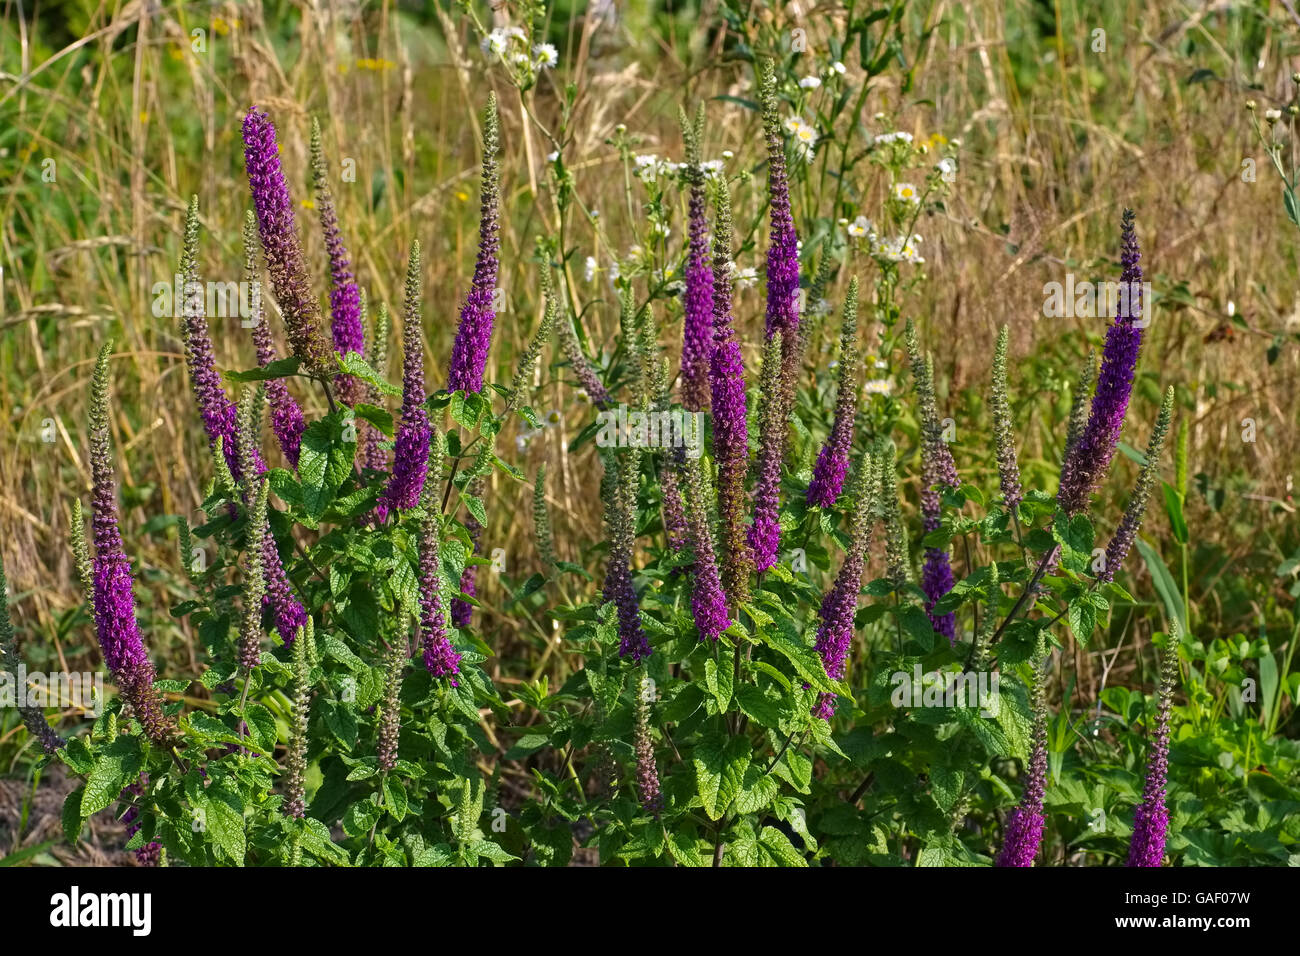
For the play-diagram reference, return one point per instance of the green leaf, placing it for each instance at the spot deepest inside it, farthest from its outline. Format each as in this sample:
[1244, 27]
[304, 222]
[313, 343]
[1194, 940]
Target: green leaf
[718, 680]
[1174, 508]
[117, 766]
[719, 773]
[395, 800]
[381, 418]
[261, 727]
[354, 364]
[778, 846]
[280, 368]
[225, 823]
[805, 661]
[1164, 583]
[474, 505]
[756, 705]
[757, 790]
[72, 818]
[491, 851]
[1083, 619]
[325, 463]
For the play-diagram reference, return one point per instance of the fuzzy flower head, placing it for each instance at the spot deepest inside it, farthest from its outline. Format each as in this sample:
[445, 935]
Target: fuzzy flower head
[114, 602]
[474, 335]
[835, 632]
[783, 242]
[1003, 429]
[1024, 828]
[411, 450]
[833, 461]
[284, 257]
[441, 659]
[215, 408]
[345, 297]
[727, 394]
[286, 416]
[708, 602]
[1151, 818]
[1126, 533]
[697, 324]
[1091, 454]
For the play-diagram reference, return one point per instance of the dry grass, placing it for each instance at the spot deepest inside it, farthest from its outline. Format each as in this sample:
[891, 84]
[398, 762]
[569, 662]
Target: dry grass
[135, 122]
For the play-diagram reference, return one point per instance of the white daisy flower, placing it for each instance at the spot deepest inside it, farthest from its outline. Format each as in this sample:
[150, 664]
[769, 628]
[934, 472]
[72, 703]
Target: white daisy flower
[546, 56]
[838, 68]
[495, 42]
[590, 271]
[879, 386]
[810, 83]
[747, 277]
[906, 192]
[860, 227]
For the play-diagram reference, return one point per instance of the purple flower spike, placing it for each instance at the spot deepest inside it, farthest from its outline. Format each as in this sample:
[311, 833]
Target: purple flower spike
[462, 611]
[730, 431]
[618, 588]
[765, 532]
[284, 257]
[1090, 457]
[1151, 818]
[1024, 828]
[215, 407]
[345, 297]
[937, 472]
[286, 417]
[708, 602]
[783, 242]
[440, 658]
[697, 325]
[833, 461]
[474, 336]
[279, 599]
[115, 623]
[835, 633]
[411, 450]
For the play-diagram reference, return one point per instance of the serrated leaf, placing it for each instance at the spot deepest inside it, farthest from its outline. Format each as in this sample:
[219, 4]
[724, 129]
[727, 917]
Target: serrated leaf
[719, 773]
[778, 845]
[353, 364]
[395, 800]
[116, 766]
[72, 818]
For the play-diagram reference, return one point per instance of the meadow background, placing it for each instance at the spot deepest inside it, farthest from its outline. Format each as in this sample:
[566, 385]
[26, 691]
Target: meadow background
[1053, 138]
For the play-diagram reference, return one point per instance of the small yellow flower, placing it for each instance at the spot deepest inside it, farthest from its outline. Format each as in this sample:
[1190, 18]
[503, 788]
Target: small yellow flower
[308, 204]
[220, 25]
[937, 140]
[462, 195]
[176, 53]
[144, 116]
